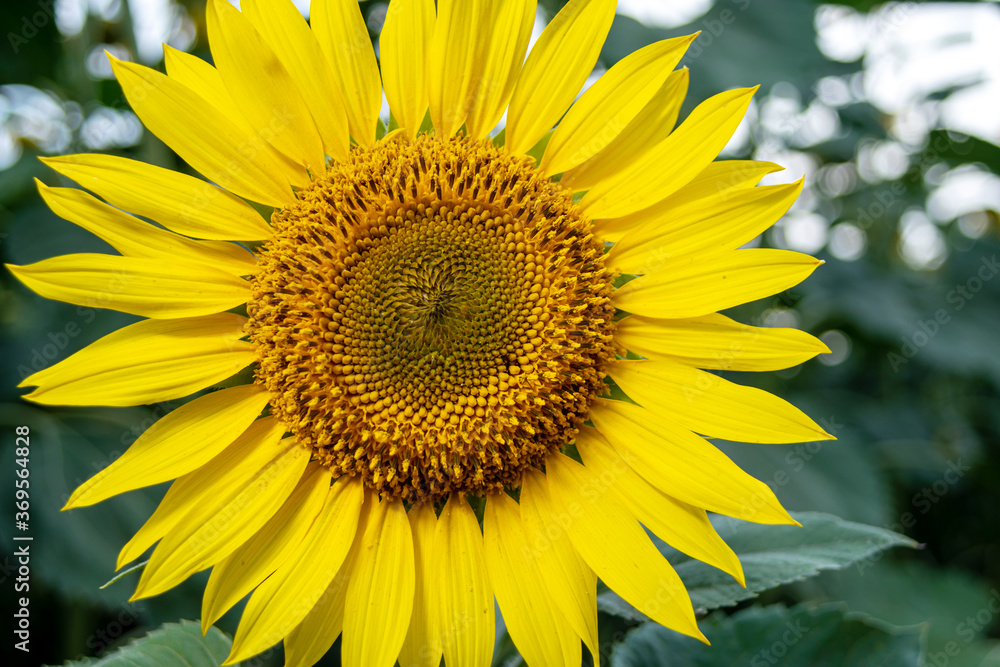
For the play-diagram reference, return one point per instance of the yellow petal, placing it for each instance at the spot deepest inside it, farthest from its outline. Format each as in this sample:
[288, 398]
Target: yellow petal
[717, 342]
[147, 362]
[568, 578]
[510, 24]
[683, 465]
[559, 63]
[534, 622]
[721, 179]
[680, 525]
[607, 107]
[465, 599]
[181, 441]
[313, 637]
[696, 285]
[556, 69]
[652, 125]
[222, 475]
[204, 137]
[281, 602]
[458, 51]
[615, 546]
[343, 38]
[213, 530]
[261, 87]
[422, 647]
[716, 408]
[157, 288]
[205, 80]
[179, 202]
[718, 181]
[404, 46]
[243, 570]
[287, 33]
[673, 162]
[722, 225]
[134, 238]
[380, 593]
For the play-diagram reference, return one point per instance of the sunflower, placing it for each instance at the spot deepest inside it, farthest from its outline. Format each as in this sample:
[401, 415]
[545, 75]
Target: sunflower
[479, 363]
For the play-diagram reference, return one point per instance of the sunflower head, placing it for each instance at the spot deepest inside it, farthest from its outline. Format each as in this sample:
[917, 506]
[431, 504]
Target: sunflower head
[432, 314]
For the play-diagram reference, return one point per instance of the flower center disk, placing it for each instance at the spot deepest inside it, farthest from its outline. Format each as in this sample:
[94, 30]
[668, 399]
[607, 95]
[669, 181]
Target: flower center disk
[433, 316]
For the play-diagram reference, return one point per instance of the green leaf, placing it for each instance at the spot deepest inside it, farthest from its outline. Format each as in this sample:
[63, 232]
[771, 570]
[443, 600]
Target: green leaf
[958, 150]
[771, 556]
[957, 607]
[501, 137]
[841, 477]
[776, 635]
[393, 124]
[172, 645]
[538, 150]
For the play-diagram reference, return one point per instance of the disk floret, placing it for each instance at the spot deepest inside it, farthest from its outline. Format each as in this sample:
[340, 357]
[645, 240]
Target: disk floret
[433, 316]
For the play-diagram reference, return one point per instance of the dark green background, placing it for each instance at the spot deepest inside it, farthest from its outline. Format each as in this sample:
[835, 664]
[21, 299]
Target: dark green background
[901, 426]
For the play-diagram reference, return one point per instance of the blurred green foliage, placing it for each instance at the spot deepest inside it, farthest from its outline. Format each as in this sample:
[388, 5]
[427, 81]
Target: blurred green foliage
[911, 392]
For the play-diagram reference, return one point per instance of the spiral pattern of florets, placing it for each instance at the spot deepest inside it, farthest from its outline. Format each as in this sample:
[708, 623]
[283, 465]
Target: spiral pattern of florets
[434, 316]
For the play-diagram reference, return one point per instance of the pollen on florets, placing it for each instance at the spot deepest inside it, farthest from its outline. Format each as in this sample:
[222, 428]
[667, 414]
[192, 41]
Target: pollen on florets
[433, 316]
